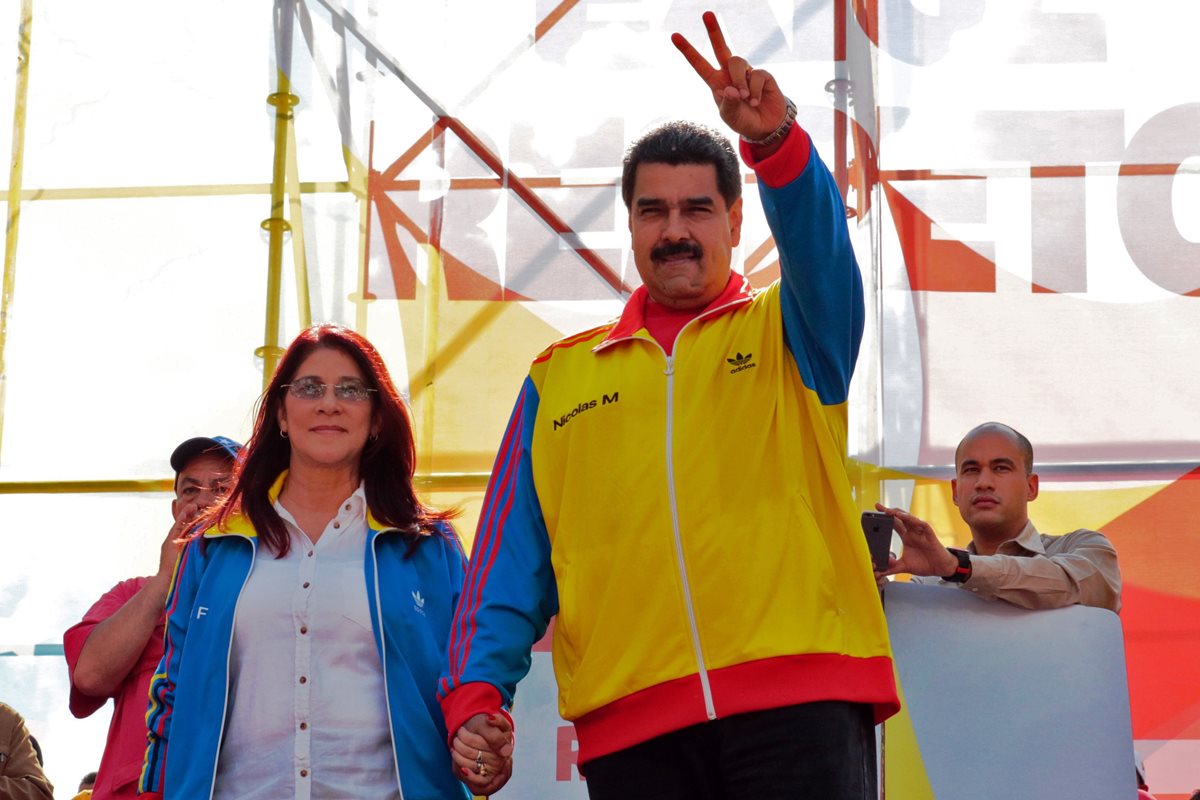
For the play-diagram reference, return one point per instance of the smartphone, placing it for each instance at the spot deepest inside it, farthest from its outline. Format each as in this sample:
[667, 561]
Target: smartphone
[878, 529]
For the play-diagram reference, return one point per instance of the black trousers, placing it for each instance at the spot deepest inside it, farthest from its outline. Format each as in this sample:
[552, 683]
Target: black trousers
[817, 751]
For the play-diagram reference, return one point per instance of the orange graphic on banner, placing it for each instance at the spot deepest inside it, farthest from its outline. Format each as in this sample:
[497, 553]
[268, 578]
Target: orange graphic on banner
[936, 263]
[864, 169]
[866, 13]
[1156, 542]
[462, 282]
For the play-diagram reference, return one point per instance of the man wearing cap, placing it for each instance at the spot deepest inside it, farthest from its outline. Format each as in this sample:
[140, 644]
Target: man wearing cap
[113, 650]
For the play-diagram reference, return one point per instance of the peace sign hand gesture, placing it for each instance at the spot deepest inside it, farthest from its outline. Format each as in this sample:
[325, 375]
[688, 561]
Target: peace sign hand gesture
[748, 99]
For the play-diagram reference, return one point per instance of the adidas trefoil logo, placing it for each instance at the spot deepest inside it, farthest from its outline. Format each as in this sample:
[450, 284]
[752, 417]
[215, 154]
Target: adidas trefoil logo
[741, 362]
[418, 602]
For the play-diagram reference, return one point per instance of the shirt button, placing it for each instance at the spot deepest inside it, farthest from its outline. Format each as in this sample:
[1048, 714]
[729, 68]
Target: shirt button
[303, 726]
[306, 585]
[337, 524]
[303, 773]
[310, 552]
[347, 506]
[303, 679]
[304, 629]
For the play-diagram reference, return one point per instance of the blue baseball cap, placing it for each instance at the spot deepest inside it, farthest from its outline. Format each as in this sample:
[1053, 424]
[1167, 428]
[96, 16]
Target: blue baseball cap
[221, 445]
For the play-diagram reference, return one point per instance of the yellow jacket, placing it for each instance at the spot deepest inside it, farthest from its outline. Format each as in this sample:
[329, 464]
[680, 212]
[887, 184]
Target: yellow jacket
[687, 517]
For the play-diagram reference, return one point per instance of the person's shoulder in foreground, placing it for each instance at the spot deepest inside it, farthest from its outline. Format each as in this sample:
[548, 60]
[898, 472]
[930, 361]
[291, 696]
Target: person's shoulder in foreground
[21, 775]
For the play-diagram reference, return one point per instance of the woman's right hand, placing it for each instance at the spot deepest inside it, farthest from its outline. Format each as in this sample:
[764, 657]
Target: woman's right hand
[482, 753]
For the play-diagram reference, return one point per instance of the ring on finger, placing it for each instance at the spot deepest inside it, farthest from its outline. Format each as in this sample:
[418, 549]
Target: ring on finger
[479, 765]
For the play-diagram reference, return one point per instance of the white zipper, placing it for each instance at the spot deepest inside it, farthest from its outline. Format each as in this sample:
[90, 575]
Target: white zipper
[383, 659]
[705, 687]
[212, 784]
[709, 709]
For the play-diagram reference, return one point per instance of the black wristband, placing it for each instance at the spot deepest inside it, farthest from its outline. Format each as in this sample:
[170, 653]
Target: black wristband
[963, 572]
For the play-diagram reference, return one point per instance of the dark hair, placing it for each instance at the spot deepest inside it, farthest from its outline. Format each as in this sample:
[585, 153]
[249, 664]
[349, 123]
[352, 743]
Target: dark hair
[682, 142]
[386, 466]
[1018, 438]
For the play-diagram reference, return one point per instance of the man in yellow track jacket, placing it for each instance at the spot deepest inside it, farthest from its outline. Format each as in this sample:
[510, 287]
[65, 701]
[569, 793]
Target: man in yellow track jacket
[672, 486]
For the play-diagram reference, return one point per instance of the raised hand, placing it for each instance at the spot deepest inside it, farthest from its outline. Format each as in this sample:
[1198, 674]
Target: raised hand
[482, 753]
[748, 99]
[168, 552]
[923, 553]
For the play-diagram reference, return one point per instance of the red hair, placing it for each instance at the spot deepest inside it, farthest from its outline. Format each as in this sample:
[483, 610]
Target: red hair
[386, 466]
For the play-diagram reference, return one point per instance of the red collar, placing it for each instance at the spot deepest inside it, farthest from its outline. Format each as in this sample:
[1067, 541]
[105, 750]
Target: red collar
[633, 317]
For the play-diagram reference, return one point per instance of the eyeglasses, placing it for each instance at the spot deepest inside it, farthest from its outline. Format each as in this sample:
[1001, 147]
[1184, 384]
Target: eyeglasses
[351, 389]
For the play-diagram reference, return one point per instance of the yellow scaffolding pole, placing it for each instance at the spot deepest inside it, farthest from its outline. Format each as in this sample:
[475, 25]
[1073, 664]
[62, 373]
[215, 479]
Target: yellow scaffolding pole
[15, 173]
[186, 190]
[276, 226]
[88, 487]
[296, 207]
[358, 175]
[442, 482]
[426, 393]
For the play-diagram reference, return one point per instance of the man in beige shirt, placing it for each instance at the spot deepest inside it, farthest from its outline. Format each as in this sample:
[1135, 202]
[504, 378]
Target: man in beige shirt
[21, 776]
[1007, 558]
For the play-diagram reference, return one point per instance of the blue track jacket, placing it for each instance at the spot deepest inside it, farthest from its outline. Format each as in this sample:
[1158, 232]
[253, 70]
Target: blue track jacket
[188, 693]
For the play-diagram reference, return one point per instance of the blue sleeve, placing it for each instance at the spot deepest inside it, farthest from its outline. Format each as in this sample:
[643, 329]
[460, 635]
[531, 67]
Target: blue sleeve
[180, 599]
[509, 594]
[821, 288]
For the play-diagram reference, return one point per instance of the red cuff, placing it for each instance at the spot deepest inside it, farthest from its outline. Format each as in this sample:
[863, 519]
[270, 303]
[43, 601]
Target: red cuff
[468, 700]
[785, 164]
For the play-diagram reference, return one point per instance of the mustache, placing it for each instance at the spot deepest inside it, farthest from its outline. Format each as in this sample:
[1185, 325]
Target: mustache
[676, 249]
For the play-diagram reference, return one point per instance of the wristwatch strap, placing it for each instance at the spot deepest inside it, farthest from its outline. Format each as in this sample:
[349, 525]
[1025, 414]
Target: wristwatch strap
[963, 572]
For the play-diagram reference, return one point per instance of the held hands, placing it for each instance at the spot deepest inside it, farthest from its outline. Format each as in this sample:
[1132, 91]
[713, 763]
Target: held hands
[923, 554]
[482, 753]
[749, 100]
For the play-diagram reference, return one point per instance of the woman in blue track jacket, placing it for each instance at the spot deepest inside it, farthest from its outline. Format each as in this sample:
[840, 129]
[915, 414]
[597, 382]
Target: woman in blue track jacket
[307, 624]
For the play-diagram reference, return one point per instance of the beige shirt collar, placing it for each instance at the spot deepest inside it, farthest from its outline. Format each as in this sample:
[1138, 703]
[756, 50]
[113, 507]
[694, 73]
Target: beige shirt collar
[1028, 540]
